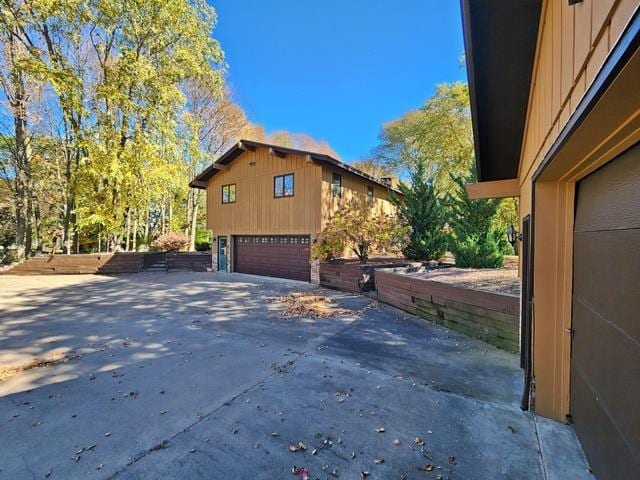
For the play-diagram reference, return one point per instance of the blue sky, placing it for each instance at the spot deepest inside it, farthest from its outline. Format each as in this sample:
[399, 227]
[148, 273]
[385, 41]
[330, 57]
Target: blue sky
[338, 69]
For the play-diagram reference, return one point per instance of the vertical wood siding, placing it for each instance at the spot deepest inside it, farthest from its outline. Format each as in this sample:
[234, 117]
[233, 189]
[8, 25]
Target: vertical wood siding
[573, 43]
[256, 210]
[353, 187]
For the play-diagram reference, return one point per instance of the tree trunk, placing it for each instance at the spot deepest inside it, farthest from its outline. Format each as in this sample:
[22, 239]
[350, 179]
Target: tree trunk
[194, 223]
[37, 225]
[134, 239]
[126, 244]
[163, 212]
[15, 91]
[146, 228]
[28, 233]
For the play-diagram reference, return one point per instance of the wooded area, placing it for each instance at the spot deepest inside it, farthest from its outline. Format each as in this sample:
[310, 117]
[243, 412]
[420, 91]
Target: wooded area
[108, 109]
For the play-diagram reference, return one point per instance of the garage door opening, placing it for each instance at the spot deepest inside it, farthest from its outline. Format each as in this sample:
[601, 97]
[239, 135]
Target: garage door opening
[283, 256]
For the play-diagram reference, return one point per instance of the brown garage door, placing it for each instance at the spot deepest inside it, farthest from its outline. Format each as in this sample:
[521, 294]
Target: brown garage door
[605, 356]
[284, 256]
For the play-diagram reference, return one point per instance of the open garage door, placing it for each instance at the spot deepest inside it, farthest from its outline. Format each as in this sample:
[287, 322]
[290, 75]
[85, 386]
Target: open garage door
[284, 256]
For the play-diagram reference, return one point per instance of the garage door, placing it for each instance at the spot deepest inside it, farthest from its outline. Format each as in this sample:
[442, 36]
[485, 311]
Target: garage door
[605, 356]
[285, 256]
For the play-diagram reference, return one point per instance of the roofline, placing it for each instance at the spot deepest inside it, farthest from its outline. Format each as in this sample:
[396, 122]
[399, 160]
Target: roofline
[499, 32]
[468, 49]
[200, 181]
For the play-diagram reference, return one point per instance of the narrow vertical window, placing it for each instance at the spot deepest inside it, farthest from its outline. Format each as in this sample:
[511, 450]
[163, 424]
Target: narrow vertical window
[336, 185]
[370, 194]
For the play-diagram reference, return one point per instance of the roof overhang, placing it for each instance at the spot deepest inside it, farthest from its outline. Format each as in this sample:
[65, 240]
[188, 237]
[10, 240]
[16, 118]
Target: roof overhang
[500, 39]
[242, 146]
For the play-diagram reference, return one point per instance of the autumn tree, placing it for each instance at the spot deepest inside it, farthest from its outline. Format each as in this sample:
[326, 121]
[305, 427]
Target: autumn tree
[359, 229]
[438, 134]
[371, 167]
[15, 140]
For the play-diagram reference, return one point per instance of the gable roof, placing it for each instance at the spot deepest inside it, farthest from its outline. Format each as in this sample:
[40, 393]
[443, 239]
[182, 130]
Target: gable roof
[500, 39]
[243, 145]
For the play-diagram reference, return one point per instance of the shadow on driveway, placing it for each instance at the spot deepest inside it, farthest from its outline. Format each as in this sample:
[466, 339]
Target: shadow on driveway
[197, 375]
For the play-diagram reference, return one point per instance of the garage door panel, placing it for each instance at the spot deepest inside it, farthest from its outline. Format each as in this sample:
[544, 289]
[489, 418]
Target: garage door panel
[605, 349]
[607, 275]
[606, 444]
[274, 256]
[604, 193]
[611, 362]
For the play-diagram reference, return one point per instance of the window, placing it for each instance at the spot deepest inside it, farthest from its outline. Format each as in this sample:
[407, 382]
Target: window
[283, 186]
[369, 194]
[336, 185]
[229, 193]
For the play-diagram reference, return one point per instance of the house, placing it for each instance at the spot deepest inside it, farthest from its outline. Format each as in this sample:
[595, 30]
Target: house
[555, 98]
[266, 204]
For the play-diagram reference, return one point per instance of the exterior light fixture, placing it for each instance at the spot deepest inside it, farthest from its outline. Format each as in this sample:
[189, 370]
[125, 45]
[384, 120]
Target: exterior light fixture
[513, 236]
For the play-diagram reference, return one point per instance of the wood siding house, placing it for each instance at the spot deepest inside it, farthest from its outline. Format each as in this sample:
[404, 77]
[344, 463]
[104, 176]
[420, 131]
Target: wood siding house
[555, 97]
[266, 205]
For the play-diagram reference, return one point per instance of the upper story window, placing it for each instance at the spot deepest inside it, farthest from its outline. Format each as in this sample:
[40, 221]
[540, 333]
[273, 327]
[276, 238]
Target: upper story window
[336, 185]
[369, 194]
[283, 185]
[229, 193]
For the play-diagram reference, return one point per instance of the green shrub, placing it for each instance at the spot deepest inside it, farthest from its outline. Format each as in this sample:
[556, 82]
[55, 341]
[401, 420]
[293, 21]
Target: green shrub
[474, 240]
[203, 246]
[421, 209]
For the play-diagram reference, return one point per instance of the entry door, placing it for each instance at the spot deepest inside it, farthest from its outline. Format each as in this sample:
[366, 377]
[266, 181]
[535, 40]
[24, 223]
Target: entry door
[222, 254]
[605, 355]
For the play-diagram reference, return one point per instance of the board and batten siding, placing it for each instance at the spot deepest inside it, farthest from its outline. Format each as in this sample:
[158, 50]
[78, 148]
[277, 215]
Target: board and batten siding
[256, 211]
[573, 44]
[353, 187]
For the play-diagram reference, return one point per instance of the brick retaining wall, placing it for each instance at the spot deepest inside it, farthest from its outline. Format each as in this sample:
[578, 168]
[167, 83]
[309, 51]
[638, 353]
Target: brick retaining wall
[491, 317]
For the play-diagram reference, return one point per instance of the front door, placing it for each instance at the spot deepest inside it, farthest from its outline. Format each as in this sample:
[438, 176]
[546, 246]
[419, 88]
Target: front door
[222, 254]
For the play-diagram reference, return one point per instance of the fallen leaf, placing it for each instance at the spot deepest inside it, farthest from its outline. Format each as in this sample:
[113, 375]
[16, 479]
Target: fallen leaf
[426, 468]
[364, 474]
[452, 460]
[379, 461]
[396, 442]
[380, 430]
[419, 441]
[49, 472]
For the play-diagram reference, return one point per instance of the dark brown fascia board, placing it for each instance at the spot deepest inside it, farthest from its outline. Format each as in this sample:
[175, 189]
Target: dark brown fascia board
[492, 165]
[244, 145]
[468, 51]
[277, 152]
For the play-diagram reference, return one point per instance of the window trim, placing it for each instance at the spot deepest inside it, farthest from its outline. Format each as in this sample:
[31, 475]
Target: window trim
[283, 176]
[235, 190]
[370, 195]
[337, 194]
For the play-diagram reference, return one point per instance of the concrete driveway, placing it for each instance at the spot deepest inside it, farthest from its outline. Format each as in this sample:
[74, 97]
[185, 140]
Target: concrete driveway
[197, 375]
